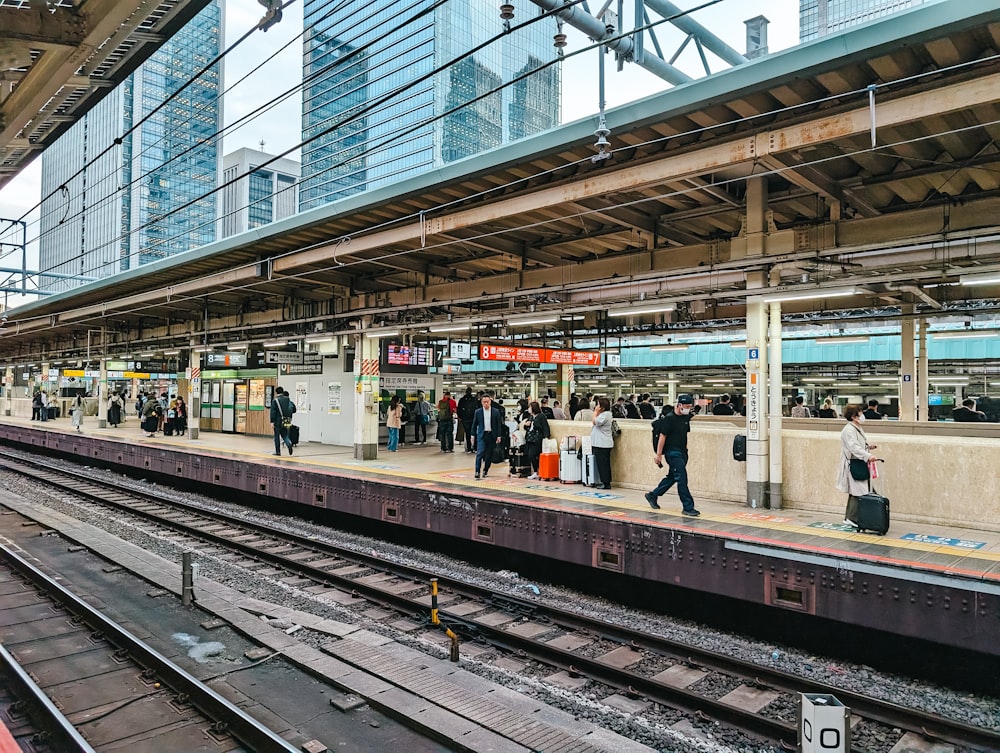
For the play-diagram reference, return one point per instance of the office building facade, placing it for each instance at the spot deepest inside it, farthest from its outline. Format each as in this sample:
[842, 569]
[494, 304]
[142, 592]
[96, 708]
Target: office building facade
[253, 195]
[143, 198]
[388, 94]
[818, 18]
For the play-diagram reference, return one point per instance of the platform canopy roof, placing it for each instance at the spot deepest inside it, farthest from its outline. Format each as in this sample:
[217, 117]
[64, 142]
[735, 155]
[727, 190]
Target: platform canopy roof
[672, 217]
[59, 57]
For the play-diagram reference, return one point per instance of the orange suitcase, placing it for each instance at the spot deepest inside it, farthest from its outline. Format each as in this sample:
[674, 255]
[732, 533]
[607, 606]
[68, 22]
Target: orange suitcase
[548, 466]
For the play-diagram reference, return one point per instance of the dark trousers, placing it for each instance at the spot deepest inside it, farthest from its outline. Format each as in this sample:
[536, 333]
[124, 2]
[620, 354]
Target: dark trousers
[470, 438]
[852, 509]
[533, 452]
[484, 452]
[445, 435]
[420, 432]
[281, 435]
[678, 475]
[602, 456]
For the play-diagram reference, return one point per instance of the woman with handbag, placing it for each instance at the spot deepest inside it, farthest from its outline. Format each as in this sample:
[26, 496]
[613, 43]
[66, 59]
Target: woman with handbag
[855, 455]
[536, 429]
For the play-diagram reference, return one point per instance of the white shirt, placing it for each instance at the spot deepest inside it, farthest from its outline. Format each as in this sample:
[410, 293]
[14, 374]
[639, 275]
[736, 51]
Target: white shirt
[487, 415]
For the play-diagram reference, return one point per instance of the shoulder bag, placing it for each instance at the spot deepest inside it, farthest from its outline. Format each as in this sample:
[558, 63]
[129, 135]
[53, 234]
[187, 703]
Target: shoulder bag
[859, 470]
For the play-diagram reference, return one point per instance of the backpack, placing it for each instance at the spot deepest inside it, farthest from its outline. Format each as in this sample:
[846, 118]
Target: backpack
[618, 411]
[657, 426]
[405, 414]
[444, 410]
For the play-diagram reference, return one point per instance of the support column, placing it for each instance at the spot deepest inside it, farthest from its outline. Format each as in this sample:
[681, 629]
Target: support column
[564, 379]
[758, 468]
[774, 368]
[102, 395]
[366, 396]
[194, 395]
[907, 368]
[8, 392]
[922, 414]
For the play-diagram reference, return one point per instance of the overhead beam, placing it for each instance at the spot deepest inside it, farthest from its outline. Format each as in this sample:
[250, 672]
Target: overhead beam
[64, 27]
[805, 176]
[696, 162]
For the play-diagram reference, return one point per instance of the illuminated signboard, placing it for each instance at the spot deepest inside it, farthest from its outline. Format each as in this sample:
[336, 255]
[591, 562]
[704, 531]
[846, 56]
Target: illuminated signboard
[539, 355]
[403, 355]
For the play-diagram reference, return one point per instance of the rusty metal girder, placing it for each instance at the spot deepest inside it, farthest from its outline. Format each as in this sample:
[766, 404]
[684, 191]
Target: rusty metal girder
[65, 27]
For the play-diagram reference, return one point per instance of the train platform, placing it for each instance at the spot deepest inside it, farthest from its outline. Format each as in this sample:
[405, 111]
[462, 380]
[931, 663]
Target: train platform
[800, 560]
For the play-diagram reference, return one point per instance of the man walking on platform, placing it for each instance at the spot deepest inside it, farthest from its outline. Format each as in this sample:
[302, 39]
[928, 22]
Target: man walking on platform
[673, 430]
[467, 407]
[488, 427]
[282, 409]
[446, 409]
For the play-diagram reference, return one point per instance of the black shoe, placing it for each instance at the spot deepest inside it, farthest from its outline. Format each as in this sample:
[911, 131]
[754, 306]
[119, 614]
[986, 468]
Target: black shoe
[477, 475]
[692, 513]
[485, 475]
[289, 450]
[652, 500]
[276, 454]
[606, 486]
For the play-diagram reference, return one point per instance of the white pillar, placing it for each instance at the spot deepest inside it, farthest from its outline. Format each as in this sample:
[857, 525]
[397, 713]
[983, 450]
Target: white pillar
[102, 395]
[757, 423]
[907, 369]
[194, 395]
[774, 367]
[8, 391]
[922, 364]
[366, 396]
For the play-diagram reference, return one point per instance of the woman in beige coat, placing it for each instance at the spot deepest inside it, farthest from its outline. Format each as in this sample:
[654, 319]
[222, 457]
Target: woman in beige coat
[853, 445]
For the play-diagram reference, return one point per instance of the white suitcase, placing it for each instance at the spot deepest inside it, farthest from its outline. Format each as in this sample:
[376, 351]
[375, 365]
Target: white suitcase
[570, 467]
[590, 475]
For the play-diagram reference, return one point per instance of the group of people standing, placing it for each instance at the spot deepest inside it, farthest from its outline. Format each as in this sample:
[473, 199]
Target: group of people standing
[164, 414]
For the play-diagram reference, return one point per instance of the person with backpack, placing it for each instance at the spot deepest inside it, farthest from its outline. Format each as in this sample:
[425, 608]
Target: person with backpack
[282, 409]
[670, 438]
[422, 417]
[446, 409]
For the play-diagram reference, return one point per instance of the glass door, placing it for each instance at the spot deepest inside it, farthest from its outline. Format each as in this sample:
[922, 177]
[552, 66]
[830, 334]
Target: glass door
[229, 406]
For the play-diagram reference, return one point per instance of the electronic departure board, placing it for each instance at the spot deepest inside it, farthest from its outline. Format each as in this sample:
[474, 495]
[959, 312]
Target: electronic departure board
[404, 355]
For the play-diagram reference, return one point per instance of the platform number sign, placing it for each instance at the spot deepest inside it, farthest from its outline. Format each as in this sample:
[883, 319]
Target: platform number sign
[824, 724]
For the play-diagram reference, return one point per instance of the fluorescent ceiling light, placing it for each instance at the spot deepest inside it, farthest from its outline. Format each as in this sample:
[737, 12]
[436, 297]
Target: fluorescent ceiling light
[818, 379]
[376, 333]
[852, 385]
[145, 355]
[529, 322]
[740, 344]
[320, 339]
[811, 294]
[837, 340]
[171, 352]
[572, 317]
[276, 343]
[661, 309]
[987, 278]
[888, 379]
[203, 349]
[450, 328]
[661, 348]
[964, 334]
[238, 345]
[715, 380]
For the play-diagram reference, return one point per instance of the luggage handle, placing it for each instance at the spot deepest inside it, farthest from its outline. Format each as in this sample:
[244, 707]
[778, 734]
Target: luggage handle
[870, 488]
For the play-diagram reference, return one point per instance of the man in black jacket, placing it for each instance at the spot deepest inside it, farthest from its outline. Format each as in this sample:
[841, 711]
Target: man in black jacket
[968, 413]
[467, 406]
[281, 408]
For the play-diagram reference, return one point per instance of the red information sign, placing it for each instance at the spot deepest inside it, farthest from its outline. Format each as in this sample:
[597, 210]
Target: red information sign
[539, 355]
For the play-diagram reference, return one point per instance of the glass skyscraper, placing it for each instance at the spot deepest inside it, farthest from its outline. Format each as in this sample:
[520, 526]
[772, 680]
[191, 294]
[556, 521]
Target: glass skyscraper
[124, 209]
[358, 56]
[817, 18]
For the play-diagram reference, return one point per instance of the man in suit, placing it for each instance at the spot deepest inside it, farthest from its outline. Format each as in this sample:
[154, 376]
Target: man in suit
[968, 413]
[487, 425]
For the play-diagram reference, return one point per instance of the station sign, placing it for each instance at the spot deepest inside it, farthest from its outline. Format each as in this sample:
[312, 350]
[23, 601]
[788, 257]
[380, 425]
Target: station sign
[282, 356]
[225, 360]
[539, 355]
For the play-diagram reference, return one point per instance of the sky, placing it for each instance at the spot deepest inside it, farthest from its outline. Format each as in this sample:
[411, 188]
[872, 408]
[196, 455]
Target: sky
[279, 128]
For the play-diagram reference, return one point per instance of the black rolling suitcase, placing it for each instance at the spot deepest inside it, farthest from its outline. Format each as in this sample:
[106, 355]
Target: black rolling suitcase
[873, 513]
[293, 434]
[519, 464]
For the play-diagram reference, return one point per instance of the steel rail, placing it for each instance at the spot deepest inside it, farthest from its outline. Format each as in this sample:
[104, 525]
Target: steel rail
[240, 725]
[919, 722]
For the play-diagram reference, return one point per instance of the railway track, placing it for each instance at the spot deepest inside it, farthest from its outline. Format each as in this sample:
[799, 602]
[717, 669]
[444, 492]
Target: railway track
[79, 682]
[637, 669]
